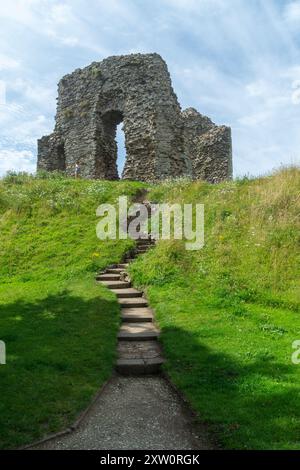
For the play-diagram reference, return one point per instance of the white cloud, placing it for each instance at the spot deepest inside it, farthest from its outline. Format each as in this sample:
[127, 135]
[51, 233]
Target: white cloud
[45, 17]
[296, 84]
[18, 10]
[2, 93]
[292, 12]
[17, 160]
[10, 112]
[29, 131]
[8, 63]
[34, 93]
[61, 14]
[296, 97]
[255, 119]
[65, 40]
[70, 41]
[257, 88]
[19, 127]
[293, 72]
[199, 6]
[296, 92]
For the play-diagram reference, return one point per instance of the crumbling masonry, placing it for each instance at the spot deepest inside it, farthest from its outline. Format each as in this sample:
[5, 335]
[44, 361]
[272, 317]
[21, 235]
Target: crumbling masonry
[161, 141]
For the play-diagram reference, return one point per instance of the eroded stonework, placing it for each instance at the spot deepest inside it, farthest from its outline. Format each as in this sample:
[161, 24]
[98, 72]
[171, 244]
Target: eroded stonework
[161, 141]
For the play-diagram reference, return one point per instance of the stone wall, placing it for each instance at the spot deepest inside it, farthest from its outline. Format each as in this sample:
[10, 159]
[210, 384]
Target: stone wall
[161, 142]
[208, 147]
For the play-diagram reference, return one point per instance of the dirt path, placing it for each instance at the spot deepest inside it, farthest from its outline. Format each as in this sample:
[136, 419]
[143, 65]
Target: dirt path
[135, 413]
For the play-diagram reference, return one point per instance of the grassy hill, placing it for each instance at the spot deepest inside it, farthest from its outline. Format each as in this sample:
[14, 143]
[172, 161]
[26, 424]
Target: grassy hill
[58, 325]
[228, 313]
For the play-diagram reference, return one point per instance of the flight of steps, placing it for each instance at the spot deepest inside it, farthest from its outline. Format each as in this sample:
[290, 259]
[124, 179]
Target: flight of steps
[139, 352]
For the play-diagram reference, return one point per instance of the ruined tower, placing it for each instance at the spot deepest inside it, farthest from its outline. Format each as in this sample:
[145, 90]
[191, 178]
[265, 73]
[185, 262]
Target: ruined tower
[161, 141]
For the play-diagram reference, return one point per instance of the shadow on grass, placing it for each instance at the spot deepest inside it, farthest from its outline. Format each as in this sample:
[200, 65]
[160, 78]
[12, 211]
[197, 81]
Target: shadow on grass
[250, 404]
[60, 350]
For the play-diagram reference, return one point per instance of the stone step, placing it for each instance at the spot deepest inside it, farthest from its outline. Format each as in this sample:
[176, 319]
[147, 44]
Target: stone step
[137, 367]
[122, 265]
[145, 331]
[139, 357]
[127, 293]
[137, 315]
[134, 302]
[108, 277]
[115, 270]
[116, 284]
[140, 252]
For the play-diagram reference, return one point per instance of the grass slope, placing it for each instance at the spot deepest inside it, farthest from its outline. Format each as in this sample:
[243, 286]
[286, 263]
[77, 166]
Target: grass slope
[230, 312]
[58, 325]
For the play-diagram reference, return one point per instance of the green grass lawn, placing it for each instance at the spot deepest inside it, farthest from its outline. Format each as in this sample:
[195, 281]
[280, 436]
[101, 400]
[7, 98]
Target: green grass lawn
[229, 313]
[59, 326]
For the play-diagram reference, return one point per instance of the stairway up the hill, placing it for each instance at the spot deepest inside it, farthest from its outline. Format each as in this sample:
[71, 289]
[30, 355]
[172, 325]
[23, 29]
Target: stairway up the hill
[139, 352]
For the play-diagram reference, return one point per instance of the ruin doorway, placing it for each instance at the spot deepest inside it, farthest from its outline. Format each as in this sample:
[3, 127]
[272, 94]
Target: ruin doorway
[61, 157]
[112, 143]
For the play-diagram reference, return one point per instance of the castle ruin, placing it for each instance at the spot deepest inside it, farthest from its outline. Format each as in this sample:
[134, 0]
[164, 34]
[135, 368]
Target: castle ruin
[161, 141]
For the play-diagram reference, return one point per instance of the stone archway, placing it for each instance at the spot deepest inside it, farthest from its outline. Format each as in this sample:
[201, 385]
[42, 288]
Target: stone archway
[91, 101]
[161, 141]
[107, 149]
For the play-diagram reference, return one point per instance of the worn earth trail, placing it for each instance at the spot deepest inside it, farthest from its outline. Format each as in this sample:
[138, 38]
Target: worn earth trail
[138, 409]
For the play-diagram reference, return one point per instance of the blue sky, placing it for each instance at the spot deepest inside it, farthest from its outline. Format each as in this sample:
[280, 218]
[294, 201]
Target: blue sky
[237, 61]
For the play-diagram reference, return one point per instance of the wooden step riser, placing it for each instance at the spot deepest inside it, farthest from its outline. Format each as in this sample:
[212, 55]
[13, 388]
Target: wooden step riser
[137, 315]
[115, 284]
[139, 357]
[137, 336]
[135, 319]
[138, 367]
[115, 270]
[129, 304]
[121, 286]
[108, 277]
[129, 295]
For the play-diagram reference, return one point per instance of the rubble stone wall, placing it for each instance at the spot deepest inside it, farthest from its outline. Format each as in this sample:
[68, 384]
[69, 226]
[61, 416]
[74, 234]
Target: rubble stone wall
[161, 141]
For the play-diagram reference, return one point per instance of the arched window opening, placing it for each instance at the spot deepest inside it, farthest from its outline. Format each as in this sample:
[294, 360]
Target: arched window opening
[121, 149]
[111, 144]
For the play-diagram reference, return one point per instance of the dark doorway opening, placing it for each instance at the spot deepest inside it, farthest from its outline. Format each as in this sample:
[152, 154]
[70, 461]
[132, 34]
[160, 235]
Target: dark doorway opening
[113, 144]
[61, 158]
